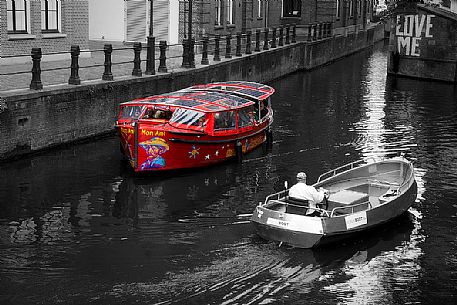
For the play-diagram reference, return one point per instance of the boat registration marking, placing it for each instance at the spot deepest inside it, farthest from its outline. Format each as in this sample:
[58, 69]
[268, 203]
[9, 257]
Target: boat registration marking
[313, 225]
[356, 220]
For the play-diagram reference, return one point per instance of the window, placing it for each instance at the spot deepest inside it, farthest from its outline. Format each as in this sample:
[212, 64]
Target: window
[132, 112]
[188, 117]
[50, 16]
[291, 8]
[338, 9]
[225, 120]
[351, 8]
[16, 15]
[246, 116]
[259, 8]
[359, 7]
[218, 12]
[160, 113]
[230, 11]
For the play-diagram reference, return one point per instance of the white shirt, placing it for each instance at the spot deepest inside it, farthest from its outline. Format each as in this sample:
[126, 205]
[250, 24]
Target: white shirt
[306, 192]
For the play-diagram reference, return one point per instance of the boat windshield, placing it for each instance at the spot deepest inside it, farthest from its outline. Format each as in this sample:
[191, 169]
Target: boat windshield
[188, 117]
[131, 112]
[157, 113]
[225, 120]
[246, 116]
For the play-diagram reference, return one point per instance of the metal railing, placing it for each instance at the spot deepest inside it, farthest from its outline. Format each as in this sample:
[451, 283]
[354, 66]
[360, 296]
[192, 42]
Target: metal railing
[276, 196]
[351, 207]
[242, 43]
[339, 170]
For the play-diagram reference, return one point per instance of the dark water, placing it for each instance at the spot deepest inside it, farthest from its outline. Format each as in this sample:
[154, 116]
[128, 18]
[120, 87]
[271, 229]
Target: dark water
[77, 227]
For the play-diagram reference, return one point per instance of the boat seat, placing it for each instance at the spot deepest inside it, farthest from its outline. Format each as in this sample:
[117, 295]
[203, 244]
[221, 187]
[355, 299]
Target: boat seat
[296, 201]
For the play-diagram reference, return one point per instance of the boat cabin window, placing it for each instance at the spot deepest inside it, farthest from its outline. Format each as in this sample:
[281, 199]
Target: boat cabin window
[188, 117]
[131, 112]
[246, 116]
[224, 120]
[261, 109]
[157, 113]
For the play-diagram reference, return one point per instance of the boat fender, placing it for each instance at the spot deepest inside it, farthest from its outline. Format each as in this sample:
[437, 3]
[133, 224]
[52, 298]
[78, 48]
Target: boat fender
[239, 151]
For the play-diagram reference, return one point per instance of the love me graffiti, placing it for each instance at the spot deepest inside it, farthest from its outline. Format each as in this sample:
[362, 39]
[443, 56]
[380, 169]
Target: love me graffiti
[410, 30]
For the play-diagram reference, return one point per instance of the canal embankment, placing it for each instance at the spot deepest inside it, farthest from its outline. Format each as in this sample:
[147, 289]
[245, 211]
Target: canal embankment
[33, 120]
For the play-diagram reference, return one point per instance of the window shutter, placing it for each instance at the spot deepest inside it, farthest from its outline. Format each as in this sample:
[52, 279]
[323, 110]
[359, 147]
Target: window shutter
[136, 20]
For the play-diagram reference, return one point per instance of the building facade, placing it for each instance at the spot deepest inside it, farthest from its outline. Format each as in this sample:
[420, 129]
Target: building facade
[55, 25]
[129, 20]
[353, 12]
[52, 25]
[231, 16]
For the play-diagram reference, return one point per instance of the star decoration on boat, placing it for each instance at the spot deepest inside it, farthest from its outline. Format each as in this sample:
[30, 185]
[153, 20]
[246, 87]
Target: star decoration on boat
[217, 153]
[194, 152]
[207, 157]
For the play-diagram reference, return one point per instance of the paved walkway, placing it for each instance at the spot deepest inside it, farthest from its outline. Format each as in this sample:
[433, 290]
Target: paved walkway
[16, 78]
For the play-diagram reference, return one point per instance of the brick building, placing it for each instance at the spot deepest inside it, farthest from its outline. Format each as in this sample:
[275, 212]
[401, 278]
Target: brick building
[52, 25]
[353, 12]
[231, 16]
[55, 25]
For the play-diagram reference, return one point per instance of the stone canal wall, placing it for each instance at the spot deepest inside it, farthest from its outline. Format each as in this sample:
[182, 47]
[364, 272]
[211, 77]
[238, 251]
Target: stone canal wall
[35, 120]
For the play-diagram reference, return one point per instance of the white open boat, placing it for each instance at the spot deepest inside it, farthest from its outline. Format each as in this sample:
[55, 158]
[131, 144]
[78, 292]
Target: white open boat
[361, 196]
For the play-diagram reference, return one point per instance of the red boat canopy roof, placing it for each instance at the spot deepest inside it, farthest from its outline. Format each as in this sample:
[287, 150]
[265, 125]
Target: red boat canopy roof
[214, 97]
[247, 89]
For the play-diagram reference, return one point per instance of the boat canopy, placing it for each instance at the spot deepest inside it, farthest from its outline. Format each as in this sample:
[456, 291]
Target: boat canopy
[250, 90]
[204, 101]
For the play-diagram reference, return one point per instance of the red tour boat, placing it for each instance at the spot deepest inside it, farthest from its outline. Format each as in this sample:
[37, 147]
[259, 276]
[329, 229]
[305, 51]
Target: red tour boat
[194, 127]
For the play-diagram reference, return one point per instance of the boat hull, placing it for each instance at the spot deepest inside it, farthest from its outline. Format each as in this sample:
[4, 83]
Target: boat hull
[155, 149]
[275, 221]
[288, 237]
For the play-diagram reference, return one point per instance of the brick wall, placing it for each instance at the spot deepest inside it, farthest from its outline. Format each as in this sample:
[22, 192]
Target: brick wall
[311, 12]
[75, 30]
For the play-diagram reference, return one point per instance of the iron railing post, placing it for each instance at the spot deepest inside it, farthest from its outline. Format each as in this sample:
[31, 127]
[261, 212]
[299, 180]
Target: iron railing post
[205, 60]
[74, 76]
[248, 42]
[163, 57]
[107, 74]
[217, 40]
[36, 83]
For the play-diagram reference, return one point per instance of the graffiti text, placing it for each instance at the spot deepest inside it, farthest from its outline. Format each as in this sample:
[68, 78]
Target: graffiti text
[409, 32]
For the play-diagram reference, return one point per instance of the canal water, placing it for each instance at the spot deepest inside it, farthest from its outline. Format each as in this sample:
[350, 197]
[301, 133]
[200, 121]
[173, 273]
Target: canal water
[77, 227]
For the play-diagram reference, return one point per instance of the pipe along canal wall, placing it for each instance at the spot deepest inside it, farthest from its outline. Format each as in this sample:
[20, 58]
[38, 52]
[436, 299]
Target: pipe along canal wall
[34, 120]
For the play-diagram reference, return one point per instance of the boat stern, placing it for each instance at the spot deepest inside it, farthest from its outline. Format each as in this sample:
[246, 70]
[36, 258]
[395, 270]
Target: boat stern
[291, 229]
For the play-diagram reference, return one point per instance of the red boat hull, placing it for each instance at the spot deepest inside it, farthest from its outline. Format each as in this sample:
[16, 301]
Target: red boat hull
[158, 149]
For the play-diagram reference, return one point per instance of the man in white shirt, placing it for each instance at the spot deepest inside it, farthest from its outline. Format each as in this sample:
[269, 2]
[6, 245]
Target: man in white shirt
[302, 191]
